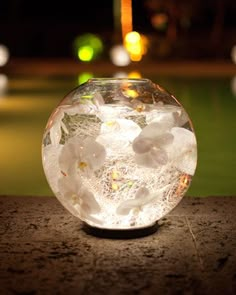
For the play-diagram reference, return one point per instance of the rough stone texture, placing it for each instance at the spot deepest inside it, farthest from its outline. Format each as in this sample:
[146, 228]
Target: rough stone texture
[44, 250]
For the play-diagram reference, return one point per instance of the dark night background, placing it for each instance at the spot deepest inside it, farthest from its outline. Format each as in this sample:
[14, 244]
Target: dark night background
[48, 28]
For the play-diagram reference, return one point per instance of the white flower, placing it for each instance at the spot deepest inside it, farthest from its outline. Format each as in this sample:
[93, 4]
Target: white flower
[142, 199]
[150, 145]
[50, 154]
[183, 151]
[168, 115]
[118, 134]
[77, 199]
[83, 156]
[109, 112]
[55, 123]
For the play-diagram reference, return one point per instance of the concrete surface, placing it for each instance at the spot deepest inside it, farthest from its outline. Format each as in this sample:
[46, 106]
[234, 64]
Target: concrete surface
[45, 250]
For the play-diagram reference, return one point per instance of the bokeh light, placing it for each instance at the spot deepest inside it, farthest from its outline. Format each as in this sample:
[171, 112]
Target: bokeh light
[3, 84]
[88, 47]
[160, 21]
[4, 55]
[135, 74]
[233, 85]
[136, 44]
[85, 53]
[119, 56]
[120, 75]
[126, 17]
[233, 54]
[84, 77]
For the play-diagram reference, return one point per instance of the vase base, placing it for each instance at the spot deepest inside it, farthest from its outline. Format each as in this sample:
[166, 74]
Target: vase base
[120, 233]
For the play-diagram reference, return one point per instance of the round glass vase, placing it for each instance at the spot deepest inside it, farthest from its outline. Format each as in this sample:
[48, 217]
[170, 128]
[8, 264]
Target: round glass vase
[119, 153]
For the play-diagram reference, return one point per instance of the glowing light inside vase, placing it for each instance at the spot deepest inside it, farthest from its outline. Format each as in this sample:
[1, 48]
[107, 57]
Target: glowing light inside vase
[122, 162]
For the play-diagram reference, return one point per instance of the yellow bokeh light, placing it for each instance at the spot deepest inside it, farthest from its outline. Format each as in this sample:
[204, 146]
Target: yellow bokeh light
[135, 57]
[132, 37]
[85, 53]
[136, 45]
[135, 75]
[132, 93]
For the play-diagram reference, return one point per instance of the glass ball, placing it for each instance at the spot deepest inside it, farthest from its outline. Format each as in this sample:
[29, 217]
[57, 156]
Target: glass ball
[119, 153]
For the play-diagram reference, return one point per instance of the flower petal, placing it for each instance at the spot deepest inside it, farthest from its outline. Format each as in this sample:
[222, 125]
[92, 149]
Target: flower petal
[142, 145]
[153, 130]
[125, 207]
[69, 185]
[152, 159]
[163, 118]
[158, 156]
[181, 118]
[168, 115]
[142, 193]
[141, 198]
[145, 160]
[164, 139]
[55, 133]
[70, 155]
[157, 196]
[111, 112]
[118, 134]
[51, 165]
[86, 217]
[88, 198]
[183, 150]
[93, 153]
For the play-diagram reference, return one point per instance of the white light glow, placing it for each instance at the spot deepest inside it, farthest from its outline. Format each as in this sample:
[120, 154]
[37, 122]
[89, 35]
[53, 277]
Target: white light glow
[233, 54]
[4, 55]
[120, 75]
[119, 56]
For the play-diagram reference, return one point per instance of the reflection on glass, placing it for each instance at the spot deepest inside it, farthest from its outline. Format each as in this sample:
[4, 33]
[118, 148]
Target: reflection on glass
[120, 75]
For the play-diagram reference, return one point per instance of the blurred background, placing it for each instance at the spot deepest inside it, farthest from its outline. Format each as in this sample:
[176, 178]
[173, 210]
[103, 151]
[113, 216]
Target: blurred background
[49, 47]
[173, 29]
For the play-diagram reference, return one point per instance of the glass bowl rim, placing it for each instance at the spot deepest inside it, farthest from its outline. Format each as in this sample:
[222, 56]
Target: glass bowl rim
[118, 80]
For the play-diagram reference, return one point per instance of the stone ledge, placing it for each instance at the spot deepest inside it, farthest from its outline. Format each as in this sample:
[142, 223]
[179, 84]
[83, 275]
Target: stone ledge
[44, 250]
